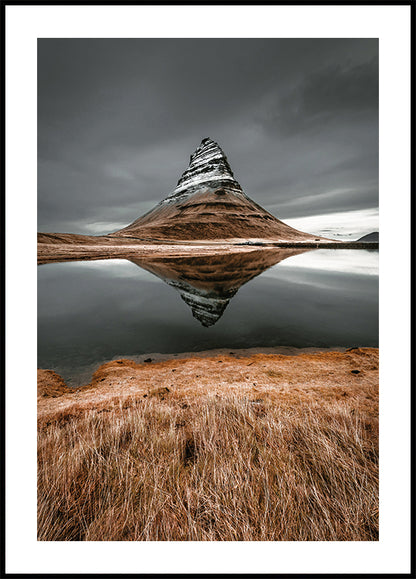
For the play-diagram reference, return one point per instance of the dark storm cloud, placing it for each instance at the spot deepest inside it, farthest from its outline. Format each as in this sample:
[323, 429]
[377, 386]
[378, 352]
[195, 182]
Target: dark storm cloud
[331, 95]
[118, 119]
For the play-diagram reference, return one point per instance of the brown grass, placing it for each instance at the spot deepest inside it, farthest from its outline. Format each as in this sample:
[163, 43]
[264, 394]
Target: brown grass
[230, 467]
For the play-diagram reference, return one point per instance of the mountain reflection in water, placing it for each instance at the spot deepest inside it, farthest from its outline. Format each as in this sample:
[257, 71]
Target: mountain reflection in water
[92, 311]
[207, 283]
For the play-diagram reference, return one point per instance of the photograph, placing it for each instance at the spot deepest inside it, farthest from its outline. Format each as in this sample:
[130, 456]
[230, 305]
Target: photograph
[208, 289]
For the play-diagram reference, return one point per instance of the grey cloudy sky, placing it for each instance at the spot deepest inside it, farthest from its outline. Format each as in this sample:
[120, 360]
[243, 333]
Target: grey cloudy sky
[119, 118]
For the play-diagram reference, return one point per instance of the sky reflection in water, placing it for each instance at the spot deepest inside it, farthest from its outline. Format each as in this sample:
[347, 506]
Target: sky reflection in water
[90, 312]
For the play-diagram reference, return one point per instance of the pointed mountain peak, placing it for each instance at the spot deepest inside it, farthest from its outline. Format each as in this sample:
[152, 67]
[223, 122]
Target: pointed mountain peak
[208, 169]
[209, 204]
[208, 147]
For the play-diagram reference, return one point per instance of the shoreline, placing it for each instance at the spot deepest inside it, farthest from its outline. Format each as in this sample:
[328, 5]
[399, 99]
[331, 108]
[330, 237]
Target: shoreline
[242, 372]
[85, 375]
[237, 352]
[125, 249]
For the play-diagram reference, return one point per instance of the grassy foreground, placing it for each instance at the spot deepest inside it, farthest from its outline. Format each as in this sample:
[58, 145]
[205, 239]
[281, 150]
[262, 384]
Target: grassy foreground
[221, 467]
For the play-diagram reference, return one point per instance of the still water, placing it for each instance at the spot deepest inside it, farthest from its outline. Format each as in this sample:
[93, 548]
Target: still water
[93, 311]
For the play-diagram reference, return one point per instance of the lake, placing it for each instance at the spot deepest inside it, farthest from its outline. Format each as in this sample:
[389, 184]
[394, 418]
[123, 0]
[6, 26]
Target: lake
[90, 312]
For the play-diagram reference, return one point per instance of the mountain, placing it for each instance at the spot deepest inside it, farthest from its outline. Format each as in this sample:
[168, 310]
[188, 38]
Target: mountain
[209, 204]
[369, 237]
[207, 283]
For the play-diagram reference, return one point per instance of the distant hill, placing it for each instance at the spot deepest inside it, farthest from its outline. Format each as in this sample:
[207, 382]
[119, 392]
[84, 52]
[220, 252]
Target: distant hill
[369, 237]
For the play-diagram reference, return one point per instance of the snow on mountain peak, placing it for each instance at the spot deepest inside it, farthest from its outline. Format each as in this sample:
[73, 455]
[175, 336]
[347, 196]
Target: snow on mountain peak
[208, 168]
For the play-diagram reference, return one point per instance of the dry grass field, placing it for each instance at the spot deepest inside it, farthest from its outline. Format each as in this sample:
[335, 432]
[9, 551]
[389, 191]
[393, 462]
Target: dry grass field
[267, 453]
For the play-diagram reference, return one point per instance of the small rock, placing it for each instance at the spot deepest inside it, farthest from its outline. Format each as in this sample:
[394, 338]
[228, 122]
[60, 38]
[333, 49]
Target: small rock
[148, 360]
[355, 371]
